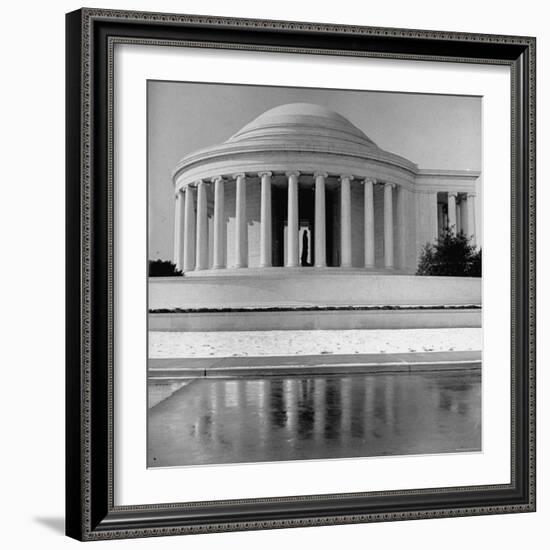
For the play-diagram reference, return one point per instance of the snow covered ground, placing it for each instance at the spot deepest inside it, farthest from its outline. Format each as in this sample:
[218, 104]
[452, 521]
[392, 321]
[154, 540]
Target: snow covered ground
[164, 345]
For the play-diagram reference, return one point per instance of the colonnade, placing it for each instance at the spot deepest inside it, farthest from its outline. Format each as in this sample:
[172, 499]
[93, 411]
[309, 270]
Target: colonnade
[455, 202]
[193, 252]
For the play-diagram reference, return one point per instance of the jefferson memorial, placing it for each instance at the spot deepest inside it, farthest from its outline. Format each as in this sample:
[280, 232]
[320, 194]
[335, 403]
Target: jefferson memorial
[301, 207]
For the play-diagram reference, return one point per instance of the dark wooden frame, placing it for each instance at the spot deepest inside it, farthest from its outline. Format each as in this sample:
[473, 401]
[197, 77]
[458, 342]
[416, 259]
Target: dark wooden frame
[90, 510]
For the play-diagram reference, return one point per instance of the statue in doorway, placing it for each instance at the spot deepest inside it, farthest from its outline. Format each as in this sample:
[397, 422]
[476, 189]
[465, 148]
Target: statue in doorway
[305, 251]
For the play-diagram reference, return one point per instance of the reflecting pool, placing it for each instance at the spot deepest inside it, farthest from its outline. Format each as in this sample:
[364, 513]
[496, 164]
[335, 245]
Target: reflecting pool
[217, 421]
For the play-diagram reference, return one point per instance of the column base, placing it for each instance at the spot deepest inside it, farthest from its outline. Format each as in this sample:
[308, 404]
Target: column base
[259, 272]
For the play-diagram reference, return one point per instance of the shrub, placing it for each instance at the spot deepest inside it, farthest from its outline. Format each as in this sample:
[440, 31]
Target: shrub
[475, 265]
[163, 268]
[451, 255]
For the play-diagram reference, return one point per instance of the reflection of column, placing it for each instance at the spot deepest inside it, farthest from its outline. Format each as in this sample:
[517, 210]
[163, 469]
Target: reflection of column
[231, 397]
[202, 227]
[291, 408]
[219, 224]
[243, 431]
[451, 212]
[345, 221]
[263, 386]
[388, 225]
[292, 233]
[215, 403]
[189, 230]
[241, 240]
[265, 220]
[369, 418]
[345, 419]
[471, 217]
[178, 230]
[389, 402]
[369, 223]
[319, 406]
[320, 222]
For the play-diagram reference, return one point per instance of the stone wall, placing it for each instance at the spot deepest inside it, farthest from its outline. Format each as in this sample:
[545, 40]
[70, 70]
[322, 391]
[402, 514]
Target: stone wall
[299, 287]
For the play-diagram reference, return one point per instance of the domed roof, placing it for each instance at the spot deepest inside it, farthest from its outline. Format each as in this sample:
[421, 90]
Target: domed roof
[301, 133]
[305, 122]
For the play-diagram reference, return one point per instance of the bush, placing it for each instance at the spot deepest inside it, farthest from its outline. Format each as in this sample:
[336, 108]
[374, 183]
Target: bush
[452, 256]
[163, 268]
[475, 265]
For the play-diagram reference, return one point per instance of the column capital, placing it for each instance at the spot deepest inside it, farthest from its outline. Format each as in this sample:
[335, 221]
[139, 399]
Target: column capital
[452, 193]
[471, 195]
[367, 180]
[291, 173]
[265, 173]
[389, 184]
[177, 193]
[214, 179]
[239, 175]
[320, 174]
[346, 177]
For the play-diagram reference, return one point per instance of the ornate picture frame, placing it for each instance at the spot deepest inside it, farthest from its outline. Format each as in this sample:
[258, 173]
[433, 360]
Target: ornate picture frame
[91, 511]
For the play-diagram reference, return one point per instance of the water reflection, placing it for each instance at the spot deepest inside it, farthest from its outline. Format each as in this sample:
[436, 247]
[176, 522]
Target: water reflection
[222, 421]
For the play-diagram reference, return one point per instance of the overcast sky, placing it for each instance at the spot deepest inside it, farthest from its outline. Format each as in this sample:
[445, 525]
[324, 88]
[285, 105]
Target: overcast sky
[433, 131]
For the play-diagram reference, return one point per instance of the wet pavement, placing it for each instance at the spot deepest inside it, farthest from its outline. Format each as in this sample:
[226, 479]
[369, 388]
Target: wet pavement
[218, 421]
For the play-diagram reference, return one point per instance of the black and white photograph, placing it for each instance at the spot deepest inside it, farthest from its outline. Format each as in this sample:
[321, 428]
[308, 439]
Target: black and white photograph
[270, 275]
[314, 274]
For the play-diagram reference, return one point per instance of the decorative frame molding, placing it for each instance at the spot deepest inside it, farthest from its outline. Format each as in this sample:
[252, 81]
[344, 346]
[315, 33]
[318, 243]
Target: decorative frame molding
[91, 36]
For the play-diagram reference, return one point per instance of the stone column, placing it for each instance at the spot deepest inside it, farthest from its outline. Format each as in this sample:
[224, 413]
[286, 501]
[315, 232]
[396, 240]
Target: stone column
[471, 217]
[345, 220]
[401, 224]
[369, 223]
[265, 220]
[241, 237]
[320, 221]
[202, 227]
[388, 225]
[178, 230]
[451, 212]
[189, 231]
[292, 233]
[219, 224]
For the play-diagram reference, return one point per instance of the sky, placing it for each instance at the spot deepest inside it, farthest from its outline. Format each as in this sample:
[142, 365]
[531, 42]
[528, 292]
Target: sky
[433, 131]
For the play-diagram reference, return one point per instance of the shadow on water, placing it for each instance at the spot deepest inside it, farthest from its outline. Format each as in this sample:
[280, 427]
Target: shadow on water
[214, 421]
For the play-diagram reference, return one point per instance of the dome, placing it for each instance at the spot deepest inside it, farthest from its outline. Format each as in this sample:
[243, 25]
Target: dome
[301, 136]
[301, 122]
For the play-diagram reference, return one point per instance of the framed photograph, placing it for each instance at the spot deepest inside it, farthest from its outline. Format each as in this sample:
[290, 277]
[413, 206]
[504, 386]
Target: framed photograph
[300, 274]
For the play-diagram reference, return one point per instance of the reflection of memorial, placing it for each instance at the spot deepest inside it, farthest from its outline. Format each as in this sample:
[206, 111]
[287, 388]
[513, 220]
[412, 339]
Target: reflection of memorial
[218, 421]
[301, 186]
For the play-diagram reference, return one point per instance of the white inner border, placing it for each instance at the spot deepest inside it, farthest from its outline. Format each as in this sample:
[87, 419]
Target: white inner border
[134, 483]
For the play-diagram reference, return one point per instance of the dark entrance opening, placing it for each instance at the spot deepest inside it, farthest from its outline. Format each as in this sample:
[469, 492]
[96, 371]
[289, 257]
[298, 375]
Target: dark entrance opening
[278, 219]
[306, 215]
[332, 250]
